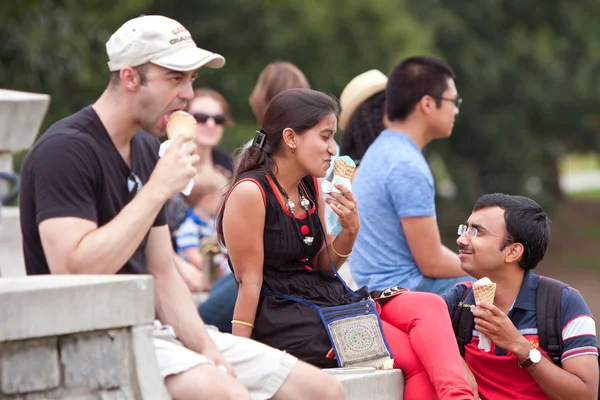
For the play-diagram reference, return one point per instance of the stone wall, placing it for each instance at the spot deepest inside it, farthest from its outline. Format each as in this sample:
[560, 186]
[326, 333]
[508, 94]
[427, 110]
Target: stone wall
[91, 365]
[12, 263]
[78, 338]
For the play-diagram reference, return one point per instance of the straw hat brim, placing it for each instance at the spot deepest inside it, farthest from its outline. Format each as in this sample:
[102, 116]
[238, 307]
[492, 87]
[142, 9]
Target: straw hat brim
[357, 91]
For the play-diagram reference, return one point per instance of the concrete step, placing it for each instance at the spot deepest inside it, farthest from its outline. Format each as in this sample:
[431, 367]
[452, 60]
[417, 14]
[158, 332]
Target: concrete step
[379, 385]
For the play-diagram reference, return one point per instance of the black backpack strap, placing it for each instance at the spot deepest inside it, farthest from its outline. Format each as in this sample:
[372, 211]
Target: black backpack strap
[548, 305]
[463, 323]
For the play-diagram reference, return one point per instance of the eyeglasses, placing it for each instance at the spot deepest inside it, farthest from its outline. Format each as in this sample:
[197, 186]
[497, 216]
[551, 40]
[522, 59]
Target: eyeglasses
[134, 185]
[457, 101]
[202, 118]
[472, 232]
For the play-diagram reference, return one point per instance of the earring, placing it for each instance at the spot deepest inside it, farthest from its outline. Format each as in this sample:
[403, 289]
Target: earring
[294, 150]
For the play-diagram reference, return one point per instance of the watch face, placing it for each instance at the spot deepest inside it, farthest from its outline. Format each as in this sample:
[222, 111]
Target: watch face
[535, 356]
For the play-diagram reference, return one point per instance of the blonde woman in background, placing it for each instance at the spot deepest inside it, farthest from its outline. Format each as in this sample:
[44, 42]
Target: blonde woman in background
[211, 111]
[274, 79]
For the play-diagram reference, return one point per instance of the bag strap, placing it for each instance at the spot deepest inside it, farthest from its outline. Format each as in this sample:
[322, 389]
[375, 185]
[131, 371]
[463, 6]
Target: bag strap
[548, 305]
[291, 298]
[463, 323]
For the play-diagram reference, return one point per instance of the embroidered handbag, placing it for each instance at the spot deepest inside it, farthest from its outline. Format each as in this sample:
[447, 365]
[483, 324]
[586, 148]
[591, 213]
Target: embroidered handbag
[355, 329]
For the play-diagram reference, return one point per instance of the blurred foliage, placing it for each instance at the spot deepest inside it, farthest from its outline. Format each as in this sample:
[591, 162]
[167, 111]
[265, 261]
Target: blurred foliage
[529, 71]
[331, 41]
[58, 47]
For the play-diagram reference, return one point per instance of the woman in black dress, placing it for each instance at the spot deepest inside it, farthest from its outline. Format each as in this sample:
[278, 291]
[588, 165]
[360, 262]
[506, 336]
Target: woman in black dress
[269, 216]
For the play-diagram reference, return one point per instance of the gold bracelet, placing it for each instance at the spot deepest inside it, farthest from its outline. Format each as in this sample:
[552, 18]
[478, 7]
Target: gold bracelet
[248, 324]
[338, 254]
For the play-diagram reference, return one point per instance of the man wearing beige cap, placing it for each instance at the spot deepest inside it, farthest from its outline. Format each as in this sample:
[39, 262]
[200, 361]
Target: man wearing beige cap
[92, 197]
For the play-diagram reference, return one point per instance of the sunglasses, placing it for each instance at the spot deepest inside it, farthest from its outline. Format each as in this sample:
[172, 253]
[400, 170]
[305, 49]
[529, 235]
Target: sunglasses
[202, 118]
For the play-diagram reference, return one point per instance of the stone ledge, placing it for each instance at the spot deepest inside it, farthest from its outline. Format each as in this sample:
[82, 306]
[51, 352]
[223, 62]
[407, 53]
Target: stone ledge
[10, 212]
[21, 115]
[52, 305]
[380, 385]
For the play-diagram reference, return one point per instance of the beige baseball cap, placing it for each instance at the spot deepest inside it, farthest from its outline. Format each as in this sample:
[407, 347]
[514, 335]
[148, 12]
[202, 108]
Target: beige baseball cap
[357, 91]
[159, 40]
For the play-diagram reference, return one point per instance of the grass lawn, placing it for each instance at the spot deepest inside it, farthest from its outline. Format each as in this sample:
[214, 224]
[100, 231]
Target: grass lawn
[587, 195]
[576, 232]
[579, 162]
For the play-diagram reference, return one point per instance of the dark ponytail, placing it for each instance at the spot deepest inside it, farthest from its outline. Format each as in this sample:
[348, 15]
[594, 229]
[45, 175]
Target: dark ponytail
[297, 109]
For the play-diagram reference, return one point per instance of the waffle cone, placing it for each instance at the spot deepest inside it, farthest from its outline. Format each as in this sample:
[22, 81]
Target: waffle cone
[484, 293]
[180, 122]
[342, 169]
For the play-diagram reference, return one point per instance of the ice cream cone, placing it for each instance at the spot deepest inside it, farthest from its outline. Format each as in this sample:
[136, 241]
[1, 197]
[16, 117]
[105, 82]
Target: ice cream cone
[484, 291]
[180, 122]
[344, 167]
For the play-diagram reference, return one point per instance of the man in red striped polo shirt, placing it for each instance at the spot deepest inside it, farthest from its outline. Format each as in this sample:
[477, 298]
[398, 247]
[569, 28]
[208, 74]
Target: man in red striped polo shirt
[504, 239]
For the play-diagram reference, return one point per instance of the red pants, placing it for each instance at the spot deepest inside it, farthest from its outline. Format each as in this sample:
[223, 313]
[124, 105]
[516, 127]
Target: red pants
[419, 332]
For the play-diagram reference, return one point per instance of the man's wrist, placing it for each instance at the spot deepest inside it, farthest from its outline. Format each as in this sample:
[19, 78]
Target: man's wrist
[155, 193]
[522, 349]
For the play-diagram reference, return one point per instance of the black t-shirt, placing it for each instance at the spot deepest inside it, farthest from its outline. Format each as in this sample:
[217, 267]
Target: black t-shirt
[75, 170]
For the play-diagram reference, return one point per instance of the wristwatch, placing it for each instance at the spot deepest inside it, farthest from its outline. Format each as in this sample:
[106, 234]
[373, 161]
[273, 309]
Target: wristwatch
[534, 357]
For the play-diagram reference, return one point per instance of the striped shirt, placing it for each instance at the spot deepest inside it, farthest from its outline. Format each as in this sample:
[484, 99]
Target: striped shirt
[498, 373]
[191, 231]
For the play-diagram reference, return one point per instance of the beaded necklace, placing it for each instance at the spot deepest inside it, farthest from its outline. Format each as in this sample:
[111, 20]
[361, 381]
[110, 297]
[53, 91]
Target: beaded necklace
[304, 203]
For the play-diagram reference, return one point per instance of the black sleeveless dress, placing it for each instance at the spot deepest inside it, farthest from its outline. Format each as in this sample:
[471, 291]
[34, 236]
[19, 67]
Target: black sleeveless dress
[281, 323]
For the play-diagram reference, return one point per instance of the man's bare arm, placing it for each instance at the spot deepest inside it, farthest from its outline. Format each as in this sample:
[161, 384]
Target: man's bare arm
[433, 258]
[174, 304]
[77, 246]
[577, 379]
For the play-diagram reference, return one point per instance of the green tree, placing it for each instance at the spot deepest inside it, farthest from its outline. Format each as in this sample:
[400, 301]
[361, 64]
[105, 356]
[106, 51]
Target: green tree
[58, 48]
[529, 73]
[331, 41]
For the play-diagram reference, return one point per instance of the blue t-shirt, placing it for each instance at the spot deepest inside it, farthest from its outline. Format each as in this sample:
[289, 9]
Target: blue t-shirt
[393, 182]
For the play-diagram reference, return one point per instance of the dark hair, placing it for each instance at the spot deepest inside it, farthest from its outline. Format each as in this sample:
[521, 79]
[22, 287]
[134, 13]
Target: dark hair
[364, 127]
[526, 223]
[298, 109]
[412, 79]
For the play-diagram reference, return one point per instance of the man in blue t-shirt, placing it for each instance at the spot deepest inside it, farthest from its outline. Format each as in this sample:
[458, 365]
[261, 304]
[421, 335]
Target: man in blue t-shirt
[399, 241]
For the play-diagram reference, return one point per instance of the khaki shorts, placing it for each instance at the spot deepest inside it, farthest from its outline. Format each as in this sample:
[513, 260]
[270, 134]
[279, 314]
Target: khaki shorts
[260, 368]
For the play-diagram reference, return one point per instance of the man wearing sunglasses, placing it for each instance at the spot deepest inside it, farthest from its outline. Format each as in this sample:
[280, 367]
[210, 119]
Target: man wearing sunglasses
[504, 239]
[399, 240]
[92, 199]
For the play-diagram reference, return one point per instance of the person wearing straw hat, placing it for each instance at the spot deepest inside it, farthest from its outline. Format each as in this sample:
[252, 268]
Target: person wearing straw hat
[362, 116]
[93, 191]
[399, 242]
